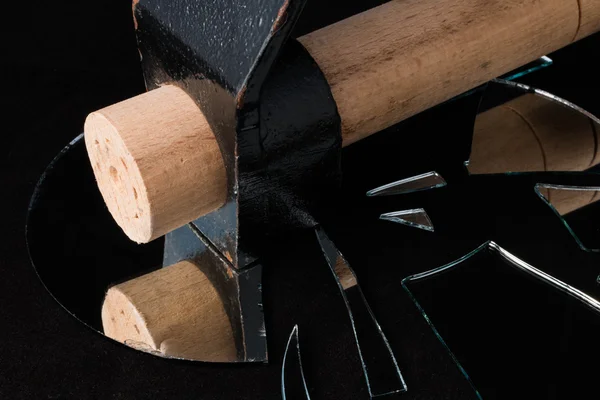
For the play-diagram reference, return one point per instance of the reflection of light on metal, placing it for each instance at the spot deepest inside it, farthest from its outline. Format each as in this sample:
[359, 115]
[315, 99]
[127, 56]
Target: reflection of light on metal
[416, 218]
[381, 371]
[298, 365]
[426, 181]
[563, 200]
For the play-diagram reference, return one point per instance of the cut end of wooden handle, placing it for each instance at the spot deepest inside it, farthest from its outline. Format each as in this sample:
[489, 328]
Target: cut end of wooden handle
[156, 162]
[119, 178]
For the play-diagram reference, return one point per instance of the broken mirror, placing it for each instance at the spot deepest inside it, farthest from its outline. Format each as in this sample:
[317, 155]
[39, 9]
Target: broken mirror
[523, 129]
[514, 329]
[416, 218]
[381, 371]
[124, 289]
[577, 208]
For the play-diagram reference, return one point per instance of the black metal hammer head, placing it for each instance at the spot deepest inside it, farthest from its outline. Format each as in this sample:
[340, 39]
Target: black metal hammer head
[280, 140]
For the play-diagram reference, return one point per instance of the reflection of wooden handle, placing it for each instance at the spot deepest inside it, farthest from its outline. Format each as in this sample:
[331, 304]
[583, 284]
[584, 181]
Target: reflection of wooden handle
[174, 311]
[565, 201]
[383, 66]
[344, 274]
[531, 133]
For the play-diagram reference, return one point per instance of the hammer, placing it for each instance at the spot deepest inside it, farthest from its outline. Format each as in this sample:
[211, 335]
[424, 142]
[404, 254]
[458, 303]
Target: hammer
[159, 166]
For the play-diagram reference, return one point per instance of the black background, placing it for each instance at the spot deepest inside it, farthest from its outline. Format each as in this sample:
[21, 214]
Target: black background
[62, 60]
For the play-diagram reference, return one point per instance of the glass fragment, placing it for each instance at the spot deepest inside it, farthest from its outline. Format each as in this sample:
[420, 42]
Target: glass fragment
[416, 218]
[524, 129]
[293, 381]
[381, 371]
[426, 181]
[513, 327]
[572, 204]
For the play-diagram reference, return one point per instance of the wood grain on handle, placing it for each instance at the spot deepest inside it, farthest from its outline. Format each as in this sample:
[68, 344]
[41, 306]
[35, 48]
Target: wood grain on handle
[156, 162]
[383, 66]
[396, 60]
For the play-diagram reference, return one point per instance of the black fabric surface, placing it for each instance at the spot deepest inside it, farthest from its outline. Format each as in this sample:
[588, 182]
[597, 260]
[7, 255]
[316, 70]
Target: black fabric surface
[63, 60]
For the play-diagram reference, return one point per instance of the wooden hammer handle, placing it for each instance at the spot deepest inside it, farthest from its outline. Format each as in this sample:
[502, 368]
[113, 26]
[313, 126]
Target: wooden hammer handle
[161, 169]
[401, 58]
